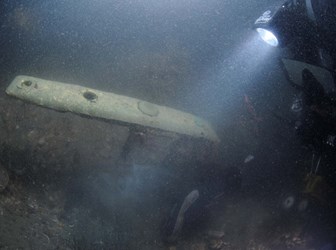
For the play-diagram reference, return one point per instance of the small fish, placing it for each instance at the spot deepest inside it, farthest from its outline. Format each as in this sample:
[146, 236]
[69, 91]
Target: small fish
[188, 201]
[249, 158]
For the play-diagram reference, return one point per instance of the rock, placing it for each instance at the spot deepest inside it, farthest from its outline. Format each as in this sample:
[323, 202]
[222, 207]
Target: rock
[215, 234]
[215, 239]
[41, 141]
[198, 246]
[4, 178]
[215, 243]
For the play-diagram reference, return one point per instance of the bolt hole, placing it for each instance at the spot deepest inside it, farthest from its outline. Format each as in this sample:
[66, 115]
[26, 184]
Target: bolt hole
[27, 83]
[90, 96]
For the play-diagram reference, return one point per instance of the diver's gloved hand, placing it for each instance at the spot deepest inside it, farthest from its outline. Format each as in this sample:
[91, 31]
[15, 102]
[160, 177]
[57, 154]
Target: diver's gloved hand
[331, 140]
[297, 105]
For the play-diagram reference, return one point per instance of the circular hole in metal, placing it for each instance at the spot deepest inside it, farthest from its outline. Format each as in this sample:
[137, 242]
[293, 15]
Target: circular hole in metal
[288, 202]
[26, 83]
[148, 108]
[90, 96]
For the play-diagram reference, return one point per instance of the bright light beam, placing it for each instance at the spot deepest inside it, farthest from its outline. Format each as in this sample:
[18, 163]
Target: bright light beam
[221, 91]
[268, 37]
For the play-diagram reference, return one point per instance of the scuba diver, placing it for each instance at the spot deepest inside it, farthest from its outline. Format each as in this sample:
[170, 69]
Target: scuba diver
[306, 31]
[316, 124]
